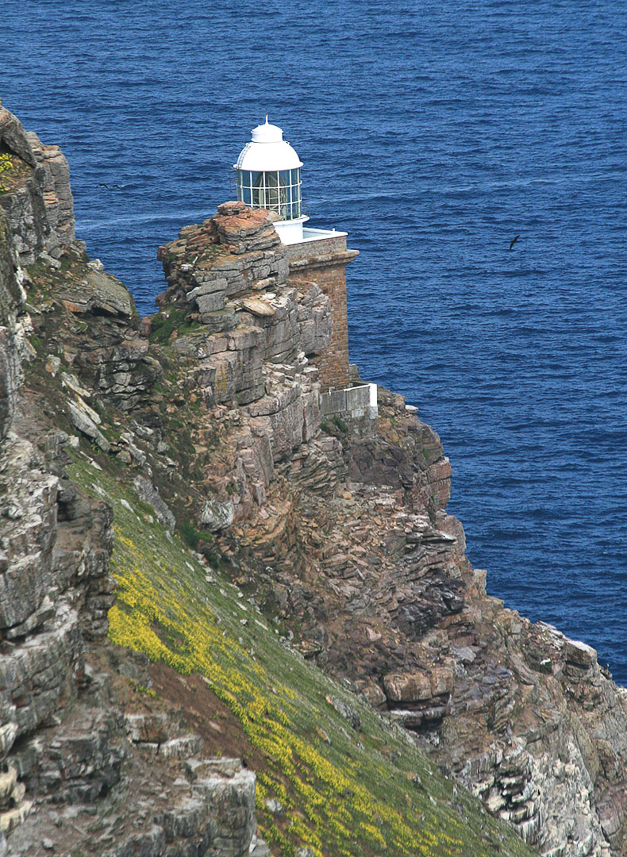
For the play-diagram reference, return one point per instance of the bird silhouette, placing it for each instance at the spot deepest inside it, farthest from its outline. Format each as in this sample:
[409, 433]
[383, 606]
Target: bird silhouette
[514, 241]
[102, 184]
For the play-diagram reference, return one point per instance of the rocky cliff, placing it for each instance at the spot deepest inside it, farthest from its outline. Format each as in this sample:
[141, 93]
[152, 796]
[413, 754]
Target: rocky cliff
[73, 735]
[205, 420]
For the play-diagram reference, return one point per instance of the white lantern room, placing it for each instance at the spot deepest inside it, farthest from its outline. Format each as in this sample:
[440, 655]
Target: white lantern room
[268, 176]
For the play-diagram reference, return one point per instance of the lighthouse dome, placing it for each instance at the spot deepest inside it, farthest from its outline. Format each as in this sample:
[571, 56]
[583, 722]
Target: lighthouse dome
[268, 151]
[268, 176]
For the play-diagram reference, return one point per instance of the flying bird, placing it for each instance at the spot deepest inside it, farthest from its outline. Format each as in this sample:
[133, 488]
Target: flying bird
[514, 241]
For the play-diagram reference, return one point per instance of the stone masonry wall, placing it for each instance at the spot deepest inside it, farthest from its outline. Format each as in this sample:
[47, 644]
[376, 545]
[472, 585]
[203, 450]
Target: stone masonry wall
[312, 250]
[333, 362]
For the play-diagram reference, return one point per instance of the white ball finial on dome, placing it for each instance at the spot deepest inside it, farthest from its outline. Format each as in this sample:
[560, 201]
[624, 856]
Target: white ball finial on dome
[268, 150]
[267, 133]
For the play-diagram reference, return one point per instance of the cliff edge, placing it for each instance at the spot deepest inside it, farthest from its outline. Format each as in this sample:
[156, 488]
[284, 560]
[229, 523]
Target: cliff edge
[260, 542]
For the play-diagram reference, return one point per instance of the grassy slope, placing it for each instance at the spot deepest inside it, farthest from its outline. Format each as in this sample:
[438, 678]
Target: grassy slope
[345, 792]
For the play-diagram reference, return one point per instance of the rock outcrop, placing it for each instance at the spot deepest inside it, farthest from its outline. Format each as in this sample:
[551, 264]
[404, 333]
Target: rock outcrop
[12, 299]
[40, 207]
[349, 539]
[210, 411]
[78, 772]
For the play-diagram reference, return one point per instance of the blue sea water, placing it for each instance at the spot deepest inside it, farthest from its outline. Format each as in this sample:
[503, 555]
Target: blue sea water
[433, 133]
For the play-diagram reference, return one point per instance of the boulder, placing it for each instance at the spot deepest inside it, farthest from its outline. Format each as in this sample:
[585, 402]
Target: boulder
[98, 292]
[579, 653]
[217, 516]
[149, 494]
[83, 422]
[407, 687]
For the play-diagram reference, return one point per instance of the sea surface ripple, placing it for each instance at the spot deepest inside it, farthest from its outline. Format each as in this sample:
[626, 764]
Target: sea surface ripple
[433, 133]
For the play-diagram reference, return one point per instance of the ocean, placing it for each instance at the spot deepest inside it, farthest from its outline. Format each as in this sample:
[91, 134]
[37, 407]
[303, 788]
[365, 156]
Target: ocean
[434, 133]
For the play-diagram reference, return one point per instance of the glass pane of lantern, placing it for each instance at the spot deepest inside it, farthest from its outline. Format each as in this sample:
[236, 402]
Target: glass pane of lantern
[258, 192]
[272, 192]
[283, 202]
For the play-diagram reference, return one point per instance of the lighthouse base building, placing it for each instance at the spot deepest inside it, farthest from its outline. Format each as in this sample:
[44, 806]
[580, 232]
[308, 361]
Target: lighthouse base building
[269, 295]
[322, 259]
[269, 176]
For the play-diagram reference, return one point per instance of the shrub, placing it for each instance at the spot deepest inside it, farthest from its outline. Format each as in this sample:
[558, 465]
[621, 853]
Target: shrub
[190, 534]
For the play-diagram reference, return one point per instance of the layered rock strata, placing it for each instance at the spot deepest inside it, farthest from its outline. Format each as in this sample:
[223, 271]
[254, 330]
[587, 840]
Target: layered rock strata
[79, 771]
[40, 210]
[210, 409]
[349, 538]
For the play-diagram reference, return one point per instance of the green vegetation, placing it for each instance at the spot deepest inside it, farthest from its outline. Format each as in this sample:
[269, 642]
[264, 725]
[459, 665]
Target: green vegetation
[191, 536]
[345, 792]
[336, 426]
[13, 171]
[165, 322]
[144, 691]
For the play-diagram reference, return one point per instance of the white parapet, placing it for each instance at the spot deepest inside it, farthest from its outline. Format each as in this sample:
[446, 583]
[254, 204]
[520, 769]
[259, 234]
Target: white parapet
[290, 231]
[294, 232]
[351, 404]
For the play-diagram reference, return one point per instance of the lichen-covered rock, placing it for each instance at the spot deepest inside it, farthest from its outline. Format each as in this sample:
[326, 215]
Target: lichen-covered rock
[117, 365]
[58, 200]
[98, 292]
[28, 517]
[13, 135]
[12, 299]
[84, 422]
[40, 209]
[217, 516]
[149, 494]
[230, 798]
[222, 258]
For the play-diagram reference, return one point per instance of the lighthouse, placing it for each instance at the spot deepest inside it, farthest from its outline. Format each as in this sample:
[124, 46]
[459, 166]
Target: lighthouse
[268, 173]
[268, 176]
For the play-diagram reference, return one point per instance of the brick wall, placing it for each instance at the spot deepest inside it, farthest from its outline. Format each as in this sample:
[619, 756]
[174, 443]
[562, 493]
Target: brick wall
[324, 262]
[333, 362]
[315, 249]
